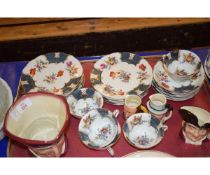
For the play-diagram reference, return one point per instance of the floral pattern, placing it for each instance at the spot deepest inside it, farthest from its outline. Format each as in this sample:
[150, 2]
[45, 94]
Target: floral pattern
[143, 140]
[73, 70]
[121, 74]
[104, 133]
[87, 121]
[40, 64]
[110, 90]
[50, 79]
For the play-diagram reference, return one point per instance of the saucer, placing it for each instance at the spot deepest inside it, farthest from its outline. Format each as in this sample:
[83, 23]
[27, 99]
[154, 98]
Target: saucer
[157, 112]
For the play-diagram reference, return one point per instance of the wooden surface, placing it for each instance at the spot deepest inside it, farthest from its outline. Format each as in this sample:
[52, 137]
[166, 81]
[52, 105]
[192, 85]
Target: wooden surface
[27, 38]
[69, 27]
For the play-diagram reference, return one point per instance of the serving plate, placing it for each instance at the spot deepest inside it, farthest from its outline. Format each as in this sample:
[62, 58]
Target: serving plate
[149, 154]
[119, 74]
[57, 72]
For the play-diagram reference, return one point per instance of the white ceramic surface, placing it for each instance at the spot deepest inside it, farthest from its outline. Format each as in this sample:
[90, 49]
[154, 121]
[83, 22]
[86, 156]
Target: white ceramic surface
[119, 74]
[84, 100]
[149, 154]
[98, 128]
[181, 65]
[6, 100]
[143, 131]
[57, 72]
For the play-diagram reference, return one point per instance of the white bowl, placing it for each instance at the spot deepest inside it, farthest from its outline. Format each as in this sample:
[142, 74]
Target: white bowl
[6, 100]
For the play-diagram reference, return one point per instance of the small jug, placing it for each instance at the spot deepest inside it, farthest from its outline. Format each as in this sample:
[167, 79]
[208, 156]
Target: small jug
[159, 108]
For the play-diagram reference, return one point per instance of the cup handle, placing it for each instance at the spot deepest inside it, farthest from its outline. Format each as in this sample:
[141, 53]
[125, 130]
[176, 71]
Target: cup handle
[164, 127]
[111, 151]
[116, 112]
[165, 118]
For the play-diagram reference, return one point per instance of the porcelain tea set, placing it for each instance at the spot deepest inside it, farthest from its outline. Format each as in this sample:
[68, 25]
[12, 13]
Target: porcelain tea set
[52, 92]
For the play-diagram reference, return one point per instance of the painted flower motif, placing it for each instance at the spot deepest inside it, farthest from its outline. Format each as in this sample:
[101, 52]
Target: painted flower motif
[181, 72]
[40, 65]
[143, 140]
[165, 85]
[32, 71]
[55, 90]
[120, 92]
[60, 73]
[104, 133]
[112, 74]
[163, 77]
[87, 121]
[109, 90]
[111, 61]
[50, 79]
[69, 63]
[121, 74]
[103, 66]
[72, 69]
[142, 67]
[136, 120]
[189, 58]
[142, 76]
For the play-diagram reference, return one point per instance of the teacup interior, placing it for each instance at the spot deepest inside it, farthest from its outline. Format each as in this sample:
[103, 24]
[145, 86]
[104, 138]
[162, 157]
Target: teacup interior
[42, 119]
[158, 99]
[133, 101]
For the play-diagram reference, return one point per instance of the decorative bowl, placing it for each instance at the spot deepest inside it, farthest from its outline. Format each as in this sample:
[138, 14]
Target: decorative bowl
[38, 120]
[6, 100]
[143, 131]
[99, 129]
[84, 100]
[181, 65]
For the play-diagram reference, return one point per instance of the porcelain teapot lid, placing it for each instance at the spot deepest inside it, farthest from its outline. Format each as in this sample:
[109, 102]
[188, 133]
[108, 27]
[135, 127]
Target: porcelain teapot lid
[195, 115]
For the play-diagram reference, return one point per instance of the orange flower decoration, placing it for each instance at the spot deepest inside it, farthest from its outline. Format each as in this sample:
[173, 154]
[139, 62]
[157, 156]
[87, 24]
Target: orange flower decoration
[32, 72]
[121, 92]
[60, 73]
[142, 67]
[112, 74]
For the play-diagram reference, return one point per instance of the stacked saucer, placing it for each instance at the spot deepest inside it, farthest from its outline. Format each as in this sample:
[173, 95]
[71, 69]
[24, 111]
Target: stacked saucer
[58, 73]
[119, 74]
[178, 75]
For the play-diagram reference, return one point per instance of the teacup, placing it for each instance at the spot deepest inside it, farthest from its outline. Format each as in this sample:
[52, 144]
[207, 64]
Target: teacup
[158, 107]
[99, 129]
[133, 105]
[195, 124]
[144, 131]
[39, 121]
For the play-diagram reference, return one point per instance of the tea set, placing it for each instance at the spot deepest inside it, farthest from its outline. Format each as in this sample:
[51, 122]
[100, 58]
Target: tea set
[52, 92]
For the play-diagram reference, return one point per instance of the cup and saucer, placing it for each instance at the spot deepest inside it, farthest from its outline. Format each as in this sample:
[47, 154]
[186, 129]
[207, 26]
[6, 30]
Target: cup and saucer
[158, 107]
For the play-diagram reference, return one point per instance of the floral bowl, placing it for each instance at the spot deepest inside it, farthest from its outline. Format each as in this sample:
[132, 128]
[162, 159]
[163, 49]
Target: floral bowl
[99, 129]
[181, 65]
[143, 131]
[38, 120]
[6, 100]
[84, 100]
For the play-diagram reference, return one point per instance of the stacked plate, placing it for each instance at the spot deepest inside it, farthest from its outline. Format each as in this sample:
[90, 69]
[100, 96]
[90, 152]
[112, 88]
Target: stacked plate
[179, 75]
[119, 74]
[58, 73]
